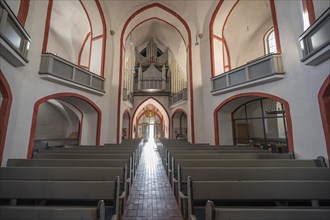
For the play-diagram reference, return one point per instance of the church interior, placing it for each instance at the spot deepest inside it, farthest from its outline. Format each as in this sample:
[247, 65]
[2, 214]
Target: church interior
[174, 109]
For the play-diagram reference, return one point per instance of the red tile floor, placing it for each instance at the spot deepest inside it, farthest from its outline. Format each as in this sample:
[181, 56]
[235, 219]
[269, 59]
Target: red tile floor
[151, 197]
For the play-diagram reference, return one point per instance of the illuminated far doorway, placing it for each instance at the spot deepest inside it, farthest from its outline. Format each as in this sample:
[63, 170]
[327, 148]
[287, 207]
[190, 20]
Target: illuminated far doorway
[149, 126]
[151, 137]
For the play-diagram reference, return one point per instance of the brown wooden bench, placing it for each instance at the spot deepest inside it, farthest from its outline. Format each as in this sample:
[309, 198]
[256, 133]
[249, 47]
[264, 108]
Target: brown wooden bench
[295, 195]
[320, 162]
[57, 198]
[247, 173]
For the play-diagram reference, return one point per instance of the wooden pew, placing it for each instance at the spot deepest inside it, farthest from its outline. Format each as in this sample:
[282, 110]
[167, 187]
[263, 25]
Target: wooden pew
[247, 173]
[135, 151]
[75, 163]
[278, 213]
[70, 174]
[92, 155]
[263, 194]
[58, 197]
[320, 162]
[54, 212]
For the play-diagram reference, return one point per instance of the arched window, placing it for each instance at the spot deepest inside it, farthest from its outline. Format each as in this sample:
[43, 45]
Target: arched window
[270, 42]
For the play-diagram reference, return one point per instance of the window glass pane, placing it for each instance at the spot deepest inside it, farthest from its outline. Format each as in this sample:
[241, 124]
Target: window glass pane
[12, 34]
[1, 98]
[254, 109]
[271, 43]
[274, 128]
[256, 128]
[272, 108]
[239, 113]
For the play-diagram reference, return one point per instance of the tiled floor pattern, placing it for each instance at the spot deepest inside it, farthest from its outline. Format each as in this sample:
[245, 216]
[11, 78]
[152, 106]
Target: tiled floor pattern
[151, 197]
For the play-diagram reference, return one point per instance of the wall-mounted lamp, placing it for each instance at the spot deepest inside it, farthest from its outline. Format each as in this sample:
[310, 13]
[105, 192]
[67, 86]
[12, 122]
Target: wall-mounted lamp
[200, 35]
[112, 32]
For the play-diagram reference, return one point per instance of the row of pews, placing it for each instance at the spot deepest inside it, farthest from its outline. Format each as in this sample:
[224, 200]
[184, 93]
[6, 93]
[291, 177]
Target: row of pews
[70, 182]
[245, 183]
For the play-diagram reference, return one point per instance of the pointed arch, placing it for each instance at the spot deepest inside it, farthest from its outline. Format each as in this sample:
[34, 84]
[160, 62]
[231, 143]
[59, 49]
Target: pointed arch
[58, 96]
[5, 106]
[184, 23]
[324, 102]
[157, 102]
[256, 94]
[172, 119]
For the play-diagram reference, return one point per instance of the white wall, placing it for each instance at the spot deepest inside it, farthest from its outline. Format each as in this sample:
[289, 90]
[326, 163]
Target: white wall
[51, 123]
[14, 5]
[299, 88]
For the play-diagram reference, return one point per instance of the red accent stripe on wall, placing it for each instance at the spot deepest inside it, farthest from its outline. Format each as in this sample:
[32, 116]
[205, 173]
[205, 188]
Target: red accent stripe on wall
[82, 48]
[168, 116]
[99, 7]
[177, 16]
[5, 106]
[23, 11]
[59, 95]
[47, 26]
[308, 8]
[257, 94]
[324, 103]
[214, 15]
[276, 30]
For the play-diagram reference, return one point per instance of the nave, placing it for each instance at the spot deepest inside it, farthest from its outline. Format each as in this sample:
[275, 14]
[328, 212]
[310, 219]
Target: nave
[151, 197]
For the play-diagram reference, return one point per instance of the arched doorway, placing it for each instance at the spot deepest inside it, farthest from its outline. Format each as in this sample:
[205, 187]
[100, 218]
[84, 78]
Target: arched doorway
[257, 119]
[177, 37]
[58, 124]
[324, 102]
[5, 104]
[150, 124]
[179, 125]
[150, 112]
[81, 117]
[126, 134]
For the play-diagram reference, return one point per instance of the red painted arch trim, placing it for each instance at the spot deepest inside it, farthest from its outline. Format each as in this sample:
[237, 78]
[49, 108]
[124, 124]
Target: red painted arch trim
[82, 48]
[224, 45]
[155, 18]
[324, 104]
[97, 37]
[59, 95]
[257, 94]
[99, 7]
[217, 37]
[23, 11]
[172, 119]
[275, 25]
[190, 64]
[214, 15]
[5, 106]
[129, 123]
[308, 8]
[168, 116]
[47, 26]
[91, 35]
[80, 122]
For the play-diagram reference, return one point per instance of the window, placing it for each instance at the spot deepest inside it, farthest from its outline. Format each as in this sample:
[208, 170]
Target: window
[270, 42]
[261, 122]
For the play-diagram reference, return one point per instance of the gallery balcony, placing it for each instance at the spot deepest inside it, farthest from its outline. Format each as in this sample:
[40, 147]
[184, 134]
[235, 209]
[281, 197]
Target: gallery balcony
[315, 41]
[179, 97]
[14, 39]
[259, 71]
[59, 70]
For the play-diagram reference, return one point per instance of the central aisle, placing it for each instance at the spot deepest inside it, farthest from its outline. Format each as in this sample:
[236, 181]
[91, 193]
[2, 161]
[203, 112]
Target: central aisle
[151, 197]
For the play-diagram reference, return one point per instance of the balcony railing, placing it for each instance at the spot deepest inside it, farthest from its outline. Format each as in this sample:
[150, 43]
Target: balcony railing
[315, 41]
[57, 69]
[255, 72]
[128, 96]
[180, 96]
[14, 40]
